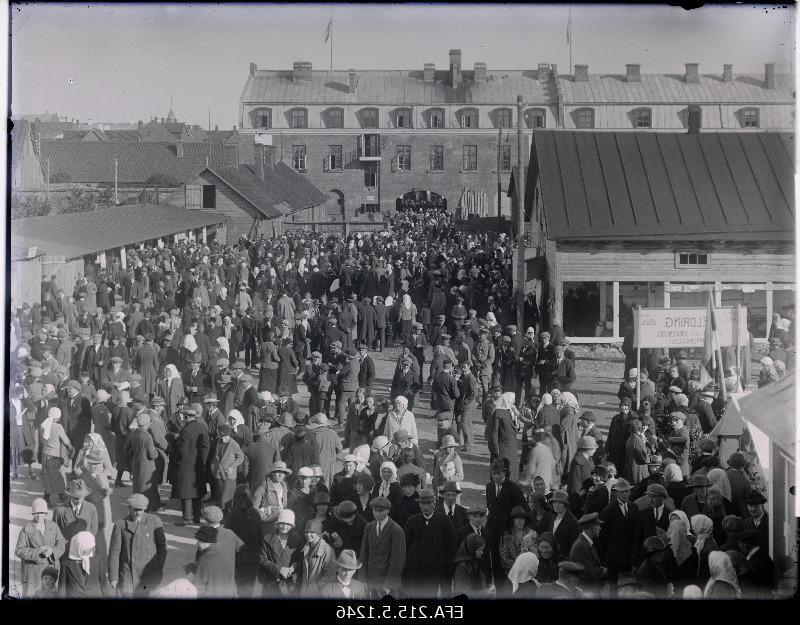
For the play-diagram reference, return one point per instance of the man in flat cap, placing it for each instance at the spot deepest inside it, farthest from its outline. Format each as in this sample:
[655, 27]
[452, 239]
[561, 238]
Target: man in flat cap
[383, 552]
[137, 552]
[757, 518]
[653, 520]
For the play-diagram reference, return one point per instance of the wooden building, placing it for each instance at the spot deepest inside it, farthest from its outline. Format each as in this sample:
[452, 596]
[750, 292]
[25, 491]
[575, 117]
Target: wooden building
[653, 219]
[26, 171]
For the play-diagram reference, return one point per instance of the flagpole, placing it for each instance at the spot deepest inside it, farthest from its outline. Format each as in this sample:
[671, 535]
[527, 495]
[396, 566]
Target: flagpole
[569, 36]
[331, 45]
[499, 165]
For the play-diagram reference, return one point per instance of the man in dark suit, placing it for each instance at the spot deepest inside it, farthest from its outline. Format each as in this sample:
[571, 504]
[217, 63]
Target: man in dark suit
[383, 551]
[301, 338]
[366, 370]
[562, 370]
[652, 518]
[447, 505]
[614, 545]
[758, 519]
[344, 586]
[196, 383]
[428, 541]
[583, 552]
[502, 495]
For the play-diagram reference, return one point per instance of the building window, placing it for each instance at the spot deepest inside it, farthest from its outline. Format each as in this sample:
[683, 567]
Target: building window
[402, 119]
[470, 161]
[750, 118]
[536, 118]
[299, 157]
[503, 118]
[404, 157]
[334, 118]
[333, 162]
[469, 118]
[209, 196]
[691, 259]
[584, 118]
[370, 145]
[642, 118]
[436, 118]
[299, 118]
[262, 118]
[505, 157]
[371, 175]
[437, 157]
[369, 118]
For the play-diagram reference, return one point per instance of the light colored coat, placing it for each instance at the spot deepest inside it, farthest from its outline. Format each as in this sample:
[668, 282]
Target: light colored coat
[318, 568]
[29, 543]
[329, 447]
[541, 463]
[223, 467]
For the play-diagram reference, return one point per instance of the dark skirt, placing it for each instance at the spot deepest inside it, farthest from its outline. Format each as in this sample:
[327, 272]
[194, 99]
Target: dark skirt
[52, 478]
[287, 381]
[405, 329]
[268, 380]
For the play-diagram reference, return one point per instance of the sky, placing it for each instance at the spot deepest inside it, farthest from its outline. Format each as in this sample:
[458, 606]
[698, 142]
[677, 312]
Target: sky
[121, 63]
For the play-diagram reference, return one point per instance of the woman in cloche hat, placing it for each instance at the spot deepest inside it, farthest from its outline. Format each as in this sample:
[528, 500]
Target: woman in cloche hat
[447, 465]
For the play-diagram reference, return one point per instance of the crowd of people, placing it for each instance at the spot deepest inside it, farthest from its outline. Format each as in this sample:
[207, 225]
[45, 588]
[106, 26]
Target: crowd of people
[181, 368]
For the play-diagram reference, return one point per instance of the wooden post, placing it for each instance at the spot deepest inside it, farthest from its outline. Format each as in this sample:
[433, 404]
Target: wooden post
[666, 295]
[205, 235]
[123, 257]
[520, 187]
[499, 166]
[638, 357]
[116, 176]
[615, 304]
[768, 296]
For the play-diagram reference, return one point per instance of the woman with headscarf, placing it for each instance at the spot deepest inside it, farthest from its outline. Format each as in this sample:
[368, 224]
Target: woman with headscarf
[675, 484]
[93, 466]
[468, 575]
[242, 434]
[569, 429]
[408, 314]
[244, 520]
[491, 320]
[723, 583]
[141, 453]
[170, 389]
[548, 561]
[55, 447]
[388, 487]
[685, 564]
[353, 434]
[362, 452]
[224, 347]
[716, 510]
[704, 544]
[230, 333]
[523, 576]
[80, 577]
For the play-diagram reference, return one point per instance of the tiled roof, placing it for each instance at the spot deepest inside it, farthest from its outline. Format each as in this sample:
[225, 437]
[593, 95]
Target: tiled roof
[123, 135]
[672, 88]
[651, 185]
[20, 133]
[396, 87]
[42, 117]
[282, 187]
[74, 135]
[76, 234]
[93, 161]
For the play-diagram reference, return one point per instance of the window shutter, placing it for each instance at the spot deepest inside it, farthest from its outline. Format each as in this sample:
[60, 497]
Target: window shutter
[194, 196]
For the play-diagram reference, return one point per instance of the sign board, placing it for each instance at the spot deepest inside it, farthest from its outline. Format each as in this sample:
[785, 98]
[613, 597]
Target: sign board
[32, 252]
[262, 138]
[686, 327]
[370, 198]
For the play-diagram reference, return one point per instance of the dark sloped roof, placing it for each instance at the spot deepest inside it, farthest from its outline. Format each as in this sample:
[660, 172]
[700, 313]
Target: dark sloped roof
[93, 161]
[123, 135]
[76, 234]
[660, 185]
[20, 133]
[282, 187]
[399, 87]
[673, 88]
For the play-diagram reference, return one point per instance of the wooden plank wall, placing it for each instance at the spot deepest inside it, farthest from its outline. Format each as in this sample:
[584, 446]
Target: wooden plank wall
[26, 277]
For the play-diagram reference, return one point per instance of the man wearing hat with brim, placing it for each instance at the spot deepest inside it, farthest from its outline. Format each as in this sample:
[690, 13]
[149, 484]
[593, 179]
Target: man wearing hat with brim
[40, 544]
[196, 382]
[215, 575]
[757, 518]
[261, 455]
[584, 552]
[191, 459]
[383, 552]
[614, 544]
[346, 527]
[483, 359]
[449, 506]
[138, 551]
[652, 573]
[428, 542]
[759, 578]
[696, 502]
[344, 585]
[77, 414]
[653, 518]
[66, 516]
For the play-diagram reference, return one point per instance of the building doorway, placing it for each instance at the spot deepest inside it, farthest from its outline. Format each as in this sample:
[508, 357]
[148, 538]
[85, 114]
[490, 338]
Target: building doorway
[418, 201]
[334, 207]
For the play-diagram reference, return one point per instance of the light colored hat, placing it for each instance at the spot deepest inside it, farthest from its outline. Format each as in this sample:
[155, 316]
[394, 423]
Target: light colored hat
[380, 442]
[587, 442]
[305, 472]
[633, 374]
[286, 516]
[102, 395]
[348, 560]
[448, 441]
[350, 458]
[38, 505]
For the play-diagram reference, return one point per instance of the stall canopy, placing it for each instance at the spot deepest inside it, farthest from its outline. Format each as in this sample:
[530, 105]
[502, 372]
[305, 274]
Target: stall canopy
[770, 409]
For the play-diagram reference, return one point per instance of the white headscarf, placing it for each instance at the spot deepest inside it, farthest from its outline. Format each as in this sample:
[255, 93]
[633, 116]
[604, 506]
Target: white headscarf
[223, 343]
[384, 488]
[719, 479]
[81, 547]
[407, 301]
[389, 302]
[569, 400]
[684, 519]
[53, 415]
[362, 452]
[491, 319]
[524, 570]
[702, 526]
[721, 568]
[673, 473]
[237, 418]
[172, 370]
[189, 343]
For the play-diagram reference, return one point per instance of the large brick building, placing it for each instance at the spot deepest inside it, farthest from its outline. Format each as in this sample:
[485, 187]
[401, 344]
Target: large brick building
[367, 137]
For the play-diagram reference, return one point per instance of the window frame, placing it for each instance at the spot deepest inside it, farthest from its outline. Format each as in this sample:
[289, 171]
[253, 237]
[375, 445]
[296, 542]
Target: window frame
[258, 113]
[371, 169]
[297, 153]
[334, 158]
[435, 113]
[533, 113]
[434, 156]
[293, 117]
[402, 113]
[468, 114]
[328, 115]
[583, 110]
[505, 147]
[751, 110]
[213, 189]
[469, 153]
[403, 155]
[501, 113]
[684, 258]
[642, 111]
[366, 113]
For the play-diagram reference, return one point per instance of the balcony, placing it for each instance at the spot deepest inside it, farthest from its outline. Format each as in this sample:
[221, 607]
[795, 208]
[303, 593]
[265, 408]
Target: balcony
[369, 148]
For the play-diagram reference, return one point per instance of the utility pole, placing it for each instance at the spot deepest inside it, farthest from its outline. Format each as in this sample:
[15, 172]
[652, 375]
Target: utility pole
[47, 188]
[499, 166]
[520, 189]
[116, 176]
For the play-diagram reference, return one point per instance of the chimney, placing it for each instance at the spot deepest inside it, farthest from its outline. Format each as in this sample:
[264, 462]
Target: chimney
[769, 75]
[216, 128]
[480, 72]
[695, 119]
[455, 68]
[301, 71]
[428, 72]
[727, 73]
[231, 155]
[633, 73]
[253, 68]
[554, 70]
[692, 72]
[352, 81]
[179, 148]
[581, 73]
[543, 71]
